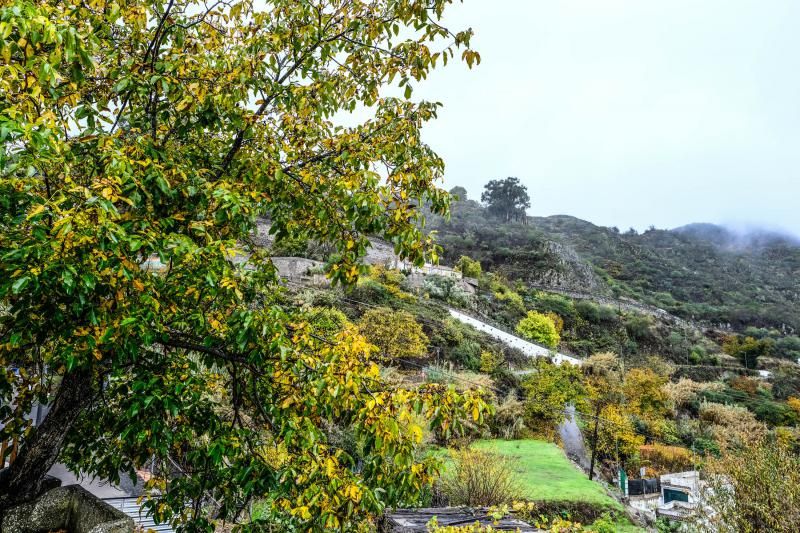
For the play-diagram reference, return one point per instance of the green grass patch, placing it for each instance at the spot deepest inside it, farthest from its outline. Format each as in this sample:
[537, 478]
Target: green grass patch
[545, 473]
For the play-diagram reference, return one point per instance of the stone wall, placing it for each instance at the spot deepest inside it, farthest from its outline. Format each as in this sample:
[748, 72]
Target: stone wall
[71, 508]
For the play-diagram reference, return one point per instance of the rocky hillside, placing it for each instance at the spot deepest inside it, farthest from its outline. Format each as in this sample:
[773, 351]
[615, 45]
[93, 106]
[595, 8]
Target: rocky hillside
[700, 272]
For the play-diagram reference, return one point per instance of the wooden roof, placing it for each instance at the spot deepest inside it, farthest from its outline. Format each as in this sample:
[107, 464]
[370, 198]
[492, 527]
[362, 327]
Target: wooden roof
[416, 520]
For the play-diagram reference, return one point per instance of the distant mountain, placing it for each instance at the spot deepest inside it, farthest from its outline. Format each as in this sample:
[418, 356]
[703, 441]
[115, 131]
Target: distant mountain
[700, 271]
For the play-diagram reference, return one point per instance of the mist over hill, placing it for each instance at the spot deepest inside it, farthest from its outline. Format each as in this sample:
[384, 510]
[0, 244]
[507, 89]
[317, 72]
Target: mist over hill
[742, 239]
[703, 272]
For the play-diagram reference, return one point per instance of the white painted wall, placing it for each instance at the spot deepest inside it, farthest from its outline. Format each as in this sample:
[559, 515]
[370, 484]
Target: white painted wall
[528, 348]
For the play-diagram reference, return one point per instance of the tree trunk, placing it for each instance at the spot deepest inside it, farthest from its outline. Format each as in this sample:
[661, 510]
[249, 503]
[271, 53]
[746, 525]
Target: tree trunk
[22, 481]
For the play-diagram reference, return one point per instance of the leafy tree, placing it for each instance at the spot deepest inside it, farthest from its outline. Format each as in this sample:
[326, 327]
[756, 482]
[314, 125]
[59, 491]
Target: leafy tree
[748, 349]
[754, 489]
[539, 328]
[396, 333]
[459, 193]
[645, 395]
[603, 378]
[507, 199]
[140, 142]
[469, 267]
[327, 321]
[548, 391]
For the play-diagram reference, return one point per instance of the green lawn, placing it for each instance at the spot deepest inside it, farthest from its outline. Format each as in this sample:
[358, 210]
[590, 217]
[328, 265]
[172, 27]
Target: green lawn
[545, 473]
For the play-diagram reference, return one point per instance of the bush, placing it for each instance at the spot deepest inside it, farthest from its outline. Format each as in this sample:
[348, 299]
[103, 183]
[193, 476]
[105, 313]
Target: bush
[477, 478]
[508, 419]
[539, 328]
[327, 321]
[588, 311]
[447, 290]
[396, 333]
[469, 267]
[467, 353]
[547, 513]
[490, 361]
[555, 303]
[663, 459]
[638, 326]
[755, 489]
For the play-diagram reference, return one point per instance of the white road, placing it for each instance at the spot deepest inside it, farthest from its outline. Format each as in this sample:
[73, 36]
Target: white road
[528, 348]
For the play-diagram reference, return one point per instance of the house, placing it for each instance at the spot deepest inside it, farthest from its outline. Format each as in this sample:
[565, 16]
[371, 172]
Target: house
[675, 496]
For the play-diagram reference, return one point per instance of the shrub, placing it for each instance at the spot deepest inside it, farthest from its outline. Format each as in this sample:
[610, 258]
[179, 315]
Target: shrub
[557, 321]
[539, 328]
[396, 333]
[467, 353]
[389, 277]
[327, 322]
[478, 478]
[607, 314]
[461, 380]
[638, 326]
[555, 303]
[508, 420]
[490, 361]
[755, 489]
[469, 267]
[588, 311]
[732, 426]
[684, 391]
[548, 513]
[446, 289]
[794, 403]
[745, 384]
[604, 524]
[663, 459]
[512, 299]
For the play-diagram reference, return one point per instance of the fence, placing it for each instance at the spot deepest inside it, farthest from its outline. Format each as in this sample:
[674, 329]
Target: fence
[640, 487]
[8, 452]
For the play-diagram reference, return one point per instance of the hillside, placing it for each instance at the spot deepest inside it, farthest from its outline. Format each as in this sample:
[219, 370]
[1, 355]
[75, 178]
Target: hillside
[700, 272]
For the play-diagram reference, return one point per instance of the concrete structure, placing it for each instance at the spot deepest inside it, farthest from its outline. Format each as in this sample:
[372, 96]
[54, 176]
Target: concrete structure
[70, 508]
[426, 269]
[680, 497]
[528, 348]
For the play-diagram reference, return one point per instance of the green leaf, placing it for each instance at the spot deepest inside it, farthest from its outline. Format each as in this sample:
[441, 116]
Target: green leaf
[19, 285]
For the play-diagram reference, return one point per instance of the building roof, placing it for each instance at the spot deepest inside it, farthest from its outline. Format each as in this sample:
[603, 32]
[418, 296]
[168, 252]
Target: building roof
[416, 520]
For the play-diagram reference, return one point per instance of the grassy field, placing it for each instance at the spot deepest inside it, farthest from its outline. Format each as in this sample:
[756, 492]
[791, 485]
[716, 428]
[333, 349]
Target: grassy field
[545, 473]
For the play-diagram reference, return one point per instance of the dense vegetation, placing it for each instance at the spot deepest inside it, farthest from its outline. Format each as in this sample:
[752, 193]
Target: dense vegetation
[141, 141]
[640, 411]
[691, 272]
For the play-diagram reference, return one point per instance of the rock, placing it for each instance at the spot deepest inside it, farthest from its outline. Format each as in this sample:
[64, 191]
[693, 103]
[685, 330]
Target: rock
[70, 508]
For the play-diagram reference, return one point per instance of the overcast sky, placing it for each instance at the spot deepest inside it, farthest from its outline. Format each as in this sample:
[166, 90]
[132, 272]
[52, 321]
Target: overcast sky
[629, 112]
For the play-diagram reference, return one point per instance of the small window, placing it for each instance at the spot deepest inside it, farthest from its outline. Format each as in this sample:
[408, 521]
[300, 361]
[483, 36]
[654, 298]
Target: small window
[675, 495]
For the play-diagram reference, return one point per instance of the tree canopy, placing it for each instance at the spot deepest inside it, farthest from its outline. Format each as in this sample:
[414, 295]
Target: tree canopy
[396, 333]
[140, 142]
[540, 328]
[506, 199]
